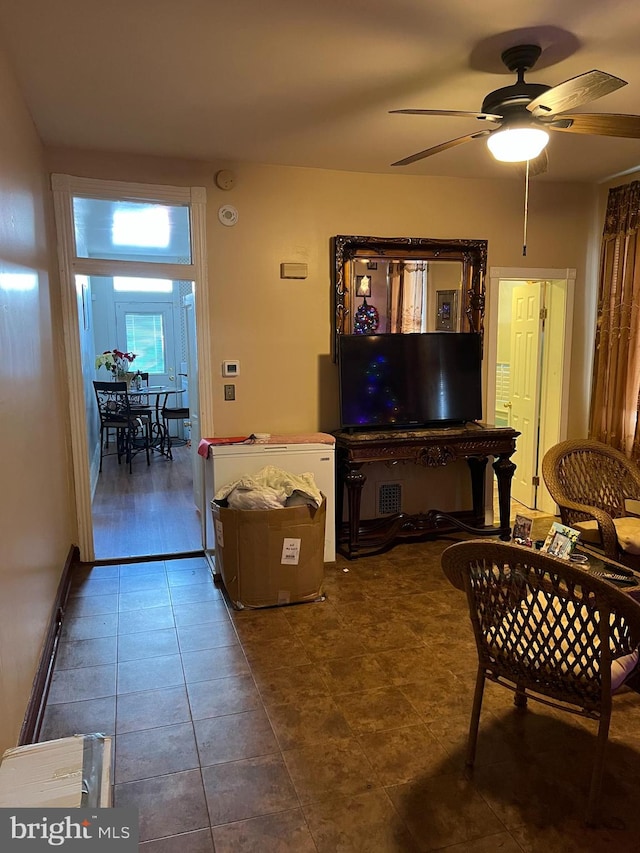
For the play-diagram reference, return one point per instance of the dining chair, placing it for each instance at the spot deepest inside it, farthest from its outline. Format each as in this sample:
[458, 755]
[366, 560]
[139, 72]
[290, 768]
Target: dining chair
[139, 403]
[548, 631]
[131, 428]
[173, 414]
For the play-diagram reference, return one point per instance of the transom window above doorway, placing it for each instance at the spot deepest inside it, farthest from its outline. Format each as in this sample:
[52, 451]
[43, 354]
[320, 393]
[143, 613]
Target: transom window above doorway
[131, 230]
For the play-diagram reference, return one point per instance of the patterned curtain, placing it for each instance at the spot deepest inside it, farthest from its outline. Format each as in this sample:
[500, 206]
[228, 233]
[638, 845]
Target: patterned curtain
[616, 370]
[408, 286]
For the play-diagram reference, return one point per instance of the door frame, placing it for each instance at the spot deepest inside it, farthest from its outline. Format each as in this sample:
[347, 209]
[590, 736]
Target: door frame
[64, 188]
[496, 274]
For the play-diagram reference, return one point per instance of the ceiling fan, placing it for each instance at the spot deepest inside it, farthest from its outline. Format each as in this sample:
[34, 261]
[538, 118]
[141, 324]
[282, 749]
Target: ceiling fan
[523, 113]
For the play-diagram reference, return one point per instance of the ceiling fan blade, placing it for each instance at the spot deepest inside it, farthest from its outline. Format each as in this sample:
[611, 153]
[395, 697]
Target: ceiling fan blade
[575, 92]
[459, 113]
[537, 166]
[442, 147]
[599, 124]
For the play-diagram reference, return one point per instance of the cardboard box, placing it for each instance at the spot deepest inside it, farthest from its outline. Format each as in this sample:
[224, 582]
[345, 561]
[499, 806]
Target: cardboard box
[270, 557]
[70, 772]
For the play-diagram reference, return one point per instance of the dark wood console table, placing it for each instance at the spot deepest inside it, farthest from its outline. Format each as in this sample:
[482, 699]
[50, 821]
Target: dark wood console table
[431, 448]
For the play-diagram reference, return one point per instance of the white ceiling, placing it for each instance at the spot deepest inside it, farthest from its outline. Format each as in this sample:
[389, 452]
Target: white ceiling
[310, 82]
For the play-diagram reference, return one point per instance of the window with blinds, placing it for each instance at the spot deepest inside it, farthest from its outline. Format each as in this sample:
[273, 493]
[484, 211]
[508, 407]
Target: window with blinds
[146, 337]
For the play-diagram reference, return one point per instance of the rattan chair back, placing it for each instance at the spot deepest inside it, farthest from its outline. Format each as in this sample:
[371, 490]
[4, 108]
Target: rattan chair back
[591, 480]
[545, 629]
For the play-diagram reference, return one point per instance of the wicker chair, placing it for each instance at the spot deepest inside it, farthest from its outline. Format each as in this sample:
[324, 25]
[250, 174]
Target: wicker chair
[547, 630]
[591, 482]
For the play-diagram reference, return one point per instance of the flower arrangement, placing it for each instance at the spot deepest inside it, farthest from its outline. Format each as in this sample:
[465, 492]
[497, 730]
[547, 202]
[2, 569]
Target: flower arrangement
[116, 361]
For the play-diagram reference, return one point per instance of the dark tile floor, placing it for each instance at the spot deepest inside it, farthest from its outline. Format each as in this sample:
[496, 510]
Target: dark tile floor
[331, 726]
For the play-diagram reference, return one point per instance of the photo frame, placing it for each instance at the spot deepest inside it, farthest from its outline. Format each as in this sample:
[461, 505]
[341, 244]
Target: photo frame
[522, 530]
[560, 540]
[446, 310]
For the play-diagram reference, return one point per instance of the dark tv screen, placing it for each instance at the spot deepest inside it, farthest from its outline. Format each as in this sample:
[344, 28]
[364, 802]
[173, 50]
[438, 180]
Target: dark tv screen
[402, 380]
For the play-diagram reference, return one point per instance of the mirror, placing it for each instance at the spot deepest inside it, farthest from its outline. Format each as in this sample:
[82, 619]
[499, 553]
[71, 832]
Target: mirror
[407, 284]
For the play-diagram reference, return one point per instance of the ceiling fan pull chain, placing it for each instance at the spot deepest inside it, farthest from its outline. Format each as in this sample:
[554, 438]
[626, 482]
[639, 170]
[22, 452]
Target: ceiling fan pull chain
[526, 209]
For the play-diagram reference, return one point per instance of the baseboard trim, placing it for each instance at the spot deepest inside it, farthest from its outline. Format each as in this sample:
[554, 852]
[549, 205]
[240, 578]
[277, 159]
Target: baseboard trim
[40, 689]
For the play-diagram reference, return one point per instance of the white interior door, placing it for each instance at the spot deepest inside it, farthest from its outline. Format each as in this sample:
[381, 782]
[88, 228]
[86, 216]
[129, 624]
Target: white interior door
[557, 296]
[525, 387]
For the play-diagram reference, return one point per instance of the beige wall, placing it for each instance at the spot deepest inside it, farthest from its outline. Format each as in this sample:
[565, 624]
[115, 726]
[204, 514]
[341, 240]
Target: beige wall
[280, 330]
[36, 515]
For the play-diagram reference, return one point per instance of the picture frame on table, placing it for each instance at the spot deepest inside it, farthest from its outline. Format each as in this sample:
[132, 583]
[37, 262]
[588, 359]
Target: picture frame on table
[560, 540]
[522, 530]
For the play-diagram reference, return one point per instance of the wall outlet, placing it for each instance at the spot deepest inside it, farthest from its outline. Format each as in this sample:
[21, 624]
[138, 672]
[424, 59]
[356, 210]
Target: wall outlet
[229, 392]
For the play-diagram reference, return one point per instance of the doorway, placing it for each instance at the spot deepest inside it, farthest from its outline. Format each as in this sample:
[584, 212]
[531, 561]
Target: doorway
[91, 248]
[528, 369]
[152, 509]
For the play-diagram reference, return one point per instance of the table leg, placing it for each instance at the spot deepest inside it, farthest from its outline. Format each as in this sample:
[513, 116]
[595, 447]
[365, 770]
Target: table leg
[354, 481]
[504, 468]
[477, 467]
[160, 429]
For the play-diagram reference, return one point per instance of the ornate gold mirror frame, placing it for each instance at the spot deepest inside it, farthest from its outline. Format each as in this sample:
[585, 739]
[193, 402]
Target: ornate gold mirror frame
[360, 261]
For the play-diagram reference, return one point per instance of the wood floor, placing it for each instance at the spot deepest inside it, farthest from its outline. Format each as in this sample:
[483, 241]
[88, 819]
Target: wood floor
[149, 512]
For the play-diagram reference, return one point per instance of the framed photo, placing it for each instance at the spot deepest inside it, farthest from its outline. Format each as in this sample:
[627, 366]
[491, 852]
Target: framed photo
[560, 541]
[446, 310]
[522, 530]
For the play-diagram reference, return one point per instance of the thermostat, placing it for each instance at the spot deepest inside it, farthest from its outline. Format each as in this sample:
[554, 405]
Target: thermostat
[230, 368]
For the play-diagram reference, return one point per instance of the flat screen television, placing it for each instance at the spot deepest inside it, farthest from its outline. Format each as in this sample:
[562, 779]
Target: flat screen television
[406, 380]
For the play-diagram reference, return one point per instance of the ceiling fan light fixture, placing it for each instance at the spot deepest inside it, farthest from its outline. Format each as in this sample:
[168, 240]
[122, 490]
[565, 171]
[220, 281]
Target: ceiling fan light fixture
[516, 144]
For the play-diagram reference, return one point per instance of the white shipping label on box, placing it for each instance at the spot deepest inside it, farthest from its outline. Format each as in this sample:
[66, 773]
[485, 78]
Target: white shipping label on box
[291, 552]
[219, 534]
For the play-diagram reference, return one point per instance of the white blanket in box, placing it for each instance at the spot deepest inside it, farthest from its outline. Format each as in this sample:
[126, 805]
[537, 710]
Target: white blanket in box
[270, 488]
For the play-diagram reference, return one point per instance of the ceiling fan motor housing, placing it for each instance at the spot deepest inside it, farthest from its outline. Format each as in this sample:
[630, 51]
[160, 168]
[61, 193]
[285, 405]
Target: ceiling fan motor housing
[511, 100]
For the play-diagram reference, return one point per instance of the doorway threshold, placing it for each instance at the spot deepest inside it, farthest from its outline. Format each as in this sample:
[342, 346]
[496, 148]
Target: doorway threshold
[148, 558]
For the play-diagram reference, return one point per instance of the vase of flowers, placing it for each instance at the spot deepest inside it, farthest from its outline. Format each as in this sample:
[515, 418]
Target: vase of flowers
[117, 362]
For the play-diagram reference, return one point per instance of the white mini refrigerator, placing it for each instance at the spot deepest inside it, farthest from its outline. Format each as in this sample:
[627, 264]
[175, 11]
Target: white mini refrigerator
[229, 462]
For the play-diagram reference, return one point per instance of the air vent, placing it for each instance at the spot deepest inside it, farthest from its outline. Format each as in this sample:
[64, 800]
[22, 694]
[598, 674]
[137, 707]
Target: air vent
[389, 498]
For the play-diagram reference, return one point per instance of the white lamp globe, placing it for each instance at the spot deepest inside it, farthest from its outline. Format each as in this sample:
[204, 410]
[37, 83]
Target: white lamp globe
[516, 144]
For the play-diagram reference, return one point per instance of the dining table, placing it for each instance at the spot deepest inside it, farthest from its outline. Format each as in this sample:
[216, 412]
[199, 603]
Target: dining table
[154, 398]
